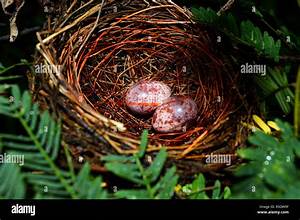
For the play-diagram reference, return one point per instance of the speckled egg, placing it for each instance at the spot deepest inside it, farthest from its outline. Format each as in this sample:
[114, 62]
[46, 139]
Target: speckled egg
[145, 96]
[175, 114]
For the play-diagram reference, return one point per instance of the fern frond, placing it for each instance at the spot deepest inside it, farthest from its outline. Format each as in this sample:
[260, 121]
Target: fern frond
[4, 69]
[40, 150]
[263, 42]
[44, 134]
[276, 83]
[245, 32]
[87, 187]
[132, 169]
[12, 182]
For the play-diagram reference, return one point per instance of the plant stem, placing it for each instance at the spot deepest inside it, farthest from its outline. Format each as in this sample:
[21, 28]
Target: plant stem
[69, 161]
[13, 66]
[297, 105]
[146, 181]
[47, 158]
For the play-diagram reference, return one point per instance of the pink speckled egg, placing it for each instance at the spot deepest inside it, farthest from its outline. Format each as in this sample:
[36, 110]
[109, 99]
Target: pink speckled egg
[144, 97]
[174, 114]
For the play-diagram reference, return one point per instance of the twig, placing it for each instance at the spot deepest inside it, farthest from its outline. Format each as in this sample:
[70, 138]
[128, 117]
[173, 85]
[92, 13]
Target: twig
[23, 32]
[225, 7]
[290, 58]
[92, 30]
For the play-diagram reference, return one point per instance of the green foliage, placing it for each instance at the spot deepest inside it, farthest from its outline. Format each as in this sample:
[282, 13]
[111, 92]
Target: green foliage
[205, 15]
[12, 182]
[197, 190]
[40, 147]
[87, 186]
[297, 105]
[245, 32]
[152, 186]
[263, 42]
[276, 83]
[4, 70]
[271, 171]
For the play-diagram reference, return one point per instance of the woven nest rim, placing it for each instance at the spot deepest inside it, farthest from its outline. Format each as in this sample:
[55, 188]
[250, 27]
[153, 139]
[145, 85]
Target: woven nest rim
[112, 132]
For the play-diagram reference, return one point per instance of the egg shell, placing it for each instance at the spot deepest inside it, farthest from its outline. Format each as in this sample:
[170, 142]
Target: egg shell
[174, 114]
[145, 96]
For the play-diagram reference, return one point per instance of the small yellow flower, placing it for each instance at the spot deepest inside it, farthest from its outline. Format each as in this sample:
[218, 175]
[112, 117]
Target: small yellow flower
[273, 125]
[178, 188]
[260, 125]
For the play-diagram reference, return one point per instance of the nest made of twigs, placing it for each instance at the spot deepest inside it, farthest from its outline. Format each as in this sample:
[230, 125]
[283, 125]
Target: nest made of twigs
[98, 51]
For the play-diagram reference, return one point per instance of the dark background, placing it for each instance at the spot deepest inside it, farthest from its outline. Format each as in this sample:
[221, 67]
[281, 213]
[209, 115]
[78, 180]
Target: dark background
[284, 13]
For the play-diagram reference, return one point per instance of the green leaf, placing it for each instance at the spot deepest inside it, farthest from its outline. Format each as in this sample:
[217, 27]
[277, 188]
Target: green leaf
[42, 143]
[229, 23]
[249, 34]
[126, 171]
[286, 130]
[40, 146]
[198, 188]
[118, 158]
[12, 182]
[227, 193]
[205, 15]
[297, 105]
[32, 116]
[270, 171]
[18, 146]
[2, 78]
[258, 154]
[292, 191]
[164, 189]
[144, 143]
[26, 101]
[16, 93]
[248, 169]
[6, 69]
[296, 144]
[133, 194]
[87, 187]
[132, 169]
[82, 176]
[279, 175]
[155, 168]
[275, 84]
[217, 190]
[263, 140]
[262, 42]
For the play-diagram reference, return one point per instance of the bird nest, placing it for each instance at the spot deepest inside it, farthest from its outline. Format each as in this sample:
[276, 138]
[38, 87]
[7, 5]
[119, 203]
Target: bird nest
[96, 51]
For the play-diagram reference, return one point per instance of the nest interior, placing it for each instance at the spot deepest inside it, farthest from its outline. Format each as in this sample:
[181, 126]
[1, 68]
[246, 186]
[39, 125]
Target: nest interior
[99, 50]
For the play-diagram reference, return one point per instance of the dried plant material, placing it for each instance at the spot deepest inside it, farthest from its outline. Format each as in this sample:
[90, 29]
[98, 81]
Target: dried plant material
[225, 7]
[12, 8]
[103, 55]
